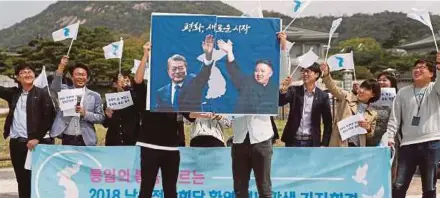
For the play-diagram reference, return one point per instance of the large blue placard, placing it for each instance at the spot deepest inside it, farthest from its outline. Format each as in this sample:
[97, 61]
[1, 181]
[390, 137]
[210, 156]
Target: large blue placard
[181, 35]
[96, 172]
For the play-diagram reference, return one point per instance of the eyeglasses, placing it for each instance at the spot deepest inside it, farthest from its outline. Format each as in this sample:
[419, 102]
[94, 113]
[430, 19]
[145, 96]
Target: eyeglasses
[420, 68]
[25, 72]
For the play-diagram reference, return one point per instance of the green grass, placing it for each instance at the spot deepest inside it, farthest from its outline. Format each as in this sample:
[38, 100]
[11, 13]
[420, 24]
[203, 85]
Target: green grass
[4, 145]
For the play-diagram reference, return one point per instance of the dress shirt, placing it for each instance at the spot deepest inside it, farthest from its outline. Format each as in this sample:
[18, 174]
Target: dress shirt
[259, 128]
[19, 123]
[306, 119]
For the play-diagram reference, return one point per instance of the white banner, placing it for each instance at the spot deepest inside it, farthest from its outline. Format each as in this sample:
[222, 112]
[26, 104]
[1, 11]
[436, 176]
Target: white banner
[119, 100]
[349, 127]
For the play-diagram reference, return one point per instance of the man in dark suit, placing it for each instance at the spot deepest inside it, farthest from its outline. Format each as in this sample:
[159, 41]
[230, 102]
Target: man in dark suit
[31, 114]
[308, 104]
[185, 92]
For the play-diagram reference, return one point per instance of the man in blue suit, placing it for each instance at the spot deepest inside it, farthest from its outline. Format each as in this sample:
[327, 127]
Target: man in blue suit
[185, 92]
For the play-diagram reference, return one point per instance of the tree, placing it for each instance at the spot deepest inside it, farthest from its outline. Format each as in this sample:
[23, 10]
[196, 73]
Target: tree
[398, 35]
[86, 49]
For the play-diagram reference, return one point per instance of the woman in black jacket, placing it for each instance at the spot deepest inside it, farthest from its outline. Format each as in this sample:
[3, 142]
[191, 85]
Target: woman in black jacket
[123, 124]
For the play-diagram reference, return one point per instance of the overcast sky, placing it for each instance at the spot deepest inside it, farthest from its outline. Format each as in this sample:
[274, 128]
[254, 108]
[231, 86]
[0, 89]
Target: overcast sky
[12, 12]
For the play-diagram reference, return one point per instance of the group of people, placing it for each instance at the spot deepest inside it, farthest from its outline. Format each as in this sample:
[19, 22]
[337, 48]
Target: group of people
[412, 122]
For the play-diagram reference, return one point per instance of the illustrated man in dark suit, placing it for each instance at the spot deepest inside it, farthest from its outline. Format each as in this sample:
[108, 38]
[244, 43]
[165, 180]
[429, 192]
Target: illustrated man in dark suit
[254, 90]
[185, 92]
[308, 104]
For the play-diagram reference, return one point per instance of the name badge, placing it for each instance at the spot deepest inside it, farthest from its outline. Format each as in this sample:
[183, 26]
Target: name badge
[415, 121]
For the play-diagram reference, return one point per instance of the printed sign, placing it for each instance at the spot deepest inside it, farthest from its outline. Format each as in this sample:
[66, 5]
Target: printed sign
[119, 100]
[349, 127]
[387, 96]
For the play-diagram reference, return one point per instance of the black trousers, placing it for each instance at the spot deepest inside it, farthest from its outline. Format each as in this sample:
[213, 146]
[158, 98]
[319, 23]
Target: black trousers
[18, 151]
[73, 140]
[168, 162]
[247, 157]
[206, 141]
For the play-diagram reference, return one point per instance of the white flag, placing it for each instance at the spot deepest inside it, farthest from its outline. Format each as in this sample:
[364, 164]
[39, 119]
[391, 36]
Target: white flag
[70, 31]
[306, 60]
[41, 80]
[300, 5]
[335, 25]
[421, 16]
[255, 13]
[289, 45]
[135, 67]
[114, 50]
[341, 61]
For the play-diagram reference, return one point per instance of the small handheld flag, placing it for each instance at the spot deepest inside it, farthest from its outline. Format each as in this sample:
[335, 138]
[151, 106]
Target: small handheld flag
[70, 31]
[341, 61]
[335, 25]
[114, 50]
[423, 17]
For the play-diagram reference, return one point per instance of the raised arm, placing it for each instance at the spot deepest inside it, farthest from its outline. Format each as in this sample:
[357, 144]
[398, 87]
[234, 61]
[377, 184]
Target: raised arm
[193, 91]
[6, 93]
[286, 92]
[56, 84]
[337, 92]
[140, 72]
[237, 76]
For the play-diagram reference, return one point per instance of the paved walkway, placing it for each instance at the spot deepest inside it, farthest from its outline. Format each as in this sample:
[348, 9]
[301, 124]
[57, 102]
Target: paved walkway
[8, 185]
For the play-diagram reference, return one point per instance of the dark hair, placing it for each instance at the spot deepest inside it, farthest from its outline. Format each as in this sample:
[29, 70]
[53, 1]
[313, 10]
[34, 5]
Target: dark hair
[82, 66]
[429, 64]
[124, 74]
[316, 68]
[373, 85]
[391, 77]
[266, 62]
[23, 67]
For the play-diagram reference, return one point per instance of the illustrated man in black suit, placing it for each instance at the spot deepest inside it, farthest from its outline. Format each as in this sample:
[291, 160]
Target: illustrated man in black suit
[254, 91]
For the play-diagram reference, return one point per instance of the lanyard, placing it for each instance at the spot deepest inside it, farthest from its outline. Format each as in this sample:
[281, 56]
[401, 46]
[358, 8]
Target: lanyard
[419, 103]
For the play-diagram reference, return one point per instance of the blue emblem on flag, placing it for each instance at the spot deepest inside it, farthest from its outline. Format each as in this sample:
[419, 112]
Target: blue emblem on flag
[66, 32]
[340, 61]
[297, 5]
[115, 49]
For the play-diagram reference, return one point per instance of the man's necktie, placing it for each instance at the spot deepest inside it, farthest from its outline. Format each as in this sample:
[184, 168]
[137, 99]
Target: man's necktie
[176, 97]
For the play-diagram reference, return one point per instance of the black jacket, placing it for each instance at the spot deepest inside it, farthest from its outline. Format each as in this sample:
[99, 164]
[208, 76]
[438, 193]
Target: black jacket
[40, 112]
[157, 128]
[320, 108]
[123, 126]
